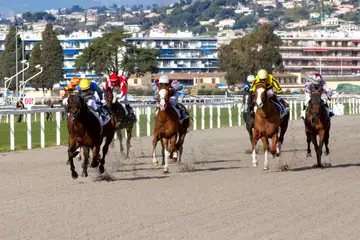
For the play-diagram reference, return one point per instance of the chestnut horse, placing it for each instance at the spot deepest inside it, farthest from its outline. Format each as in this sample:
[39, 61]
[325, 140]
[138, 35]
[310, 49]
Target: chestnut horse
[267, 125]
[118, 112]
[317, 122]
[85, 131]
[168, 128]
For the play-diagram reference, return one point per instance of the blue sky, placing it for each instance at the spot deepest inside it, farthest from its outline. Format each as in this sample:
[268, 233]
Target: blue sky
[15, 6]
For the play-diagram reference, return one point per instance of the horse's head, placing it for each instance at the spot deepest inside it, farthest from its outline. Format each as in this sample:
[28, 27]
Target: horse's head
[75, 104]
[163, 97]
[315, 105]
[260, 95]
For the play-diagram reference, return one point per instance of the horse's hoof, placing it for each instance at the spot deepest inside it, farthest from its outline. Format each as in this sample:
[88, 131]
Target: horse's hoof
[266, 168]
[101, 169]
[308, 155]
[277, 154]
[156, 163]
[326, 153]
[255, 165]
[84, 174]
[94, 164]
[74, 175]
[166, 172]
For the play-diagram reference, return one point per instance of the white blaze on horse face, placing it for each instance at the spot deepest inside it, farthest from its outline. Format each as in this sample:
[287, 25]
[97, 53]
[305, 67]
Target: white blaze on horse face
[162, 94]
[259, 103]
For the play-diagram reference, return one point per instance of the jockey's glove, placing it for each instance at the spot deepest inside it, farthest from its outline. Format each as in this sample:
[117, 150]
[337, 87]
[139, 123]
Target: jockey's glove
[279, 91]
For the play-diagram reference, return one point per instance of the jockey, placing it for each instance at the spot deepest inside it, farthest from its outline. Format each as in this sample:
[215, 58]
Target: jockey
[92, 94]
[119, 83]
[316, 81]
[270, 81]
[175, 87]
[248, 82]
[70, 88]
[73, 83]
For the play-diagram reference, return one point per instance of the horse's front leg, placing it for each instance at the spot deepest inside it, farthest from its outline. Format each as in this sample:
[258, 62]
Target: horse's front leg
[128, 141]
[96, 156]
[275, 151]
[316, 147]
[105, 150]
[165, 142]
[86, 161]
[326, 141]
[71, 151]
[172, 147]
[154, 143]
[308, 140]
[119, 135]
[253, 147]
[266, 150]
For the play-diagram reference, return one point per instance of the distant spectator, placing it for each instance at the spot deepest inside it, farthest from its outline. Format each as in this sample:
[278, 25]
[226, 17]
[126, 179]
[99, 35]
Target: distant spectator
[20, 105]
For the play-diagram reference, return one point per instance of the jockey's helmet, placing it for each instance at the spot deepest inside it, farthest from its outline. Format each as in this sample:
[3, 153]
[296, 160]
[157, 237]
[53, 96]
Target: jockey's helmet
[315, 78]
[113, 78]
[262, 74]
[250, 78]
[75, 81]
[84, 84]
[164, 79]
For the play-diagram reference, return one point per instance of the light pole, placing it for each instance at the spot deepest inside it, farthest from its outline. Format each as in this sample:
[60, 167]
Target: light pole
[16, 74]
[23, 83]
[16, 59]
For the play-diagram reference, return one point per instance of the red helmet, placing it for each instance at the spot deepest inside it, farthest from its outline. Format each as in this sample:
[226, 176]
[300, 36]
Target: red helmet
[113, 77]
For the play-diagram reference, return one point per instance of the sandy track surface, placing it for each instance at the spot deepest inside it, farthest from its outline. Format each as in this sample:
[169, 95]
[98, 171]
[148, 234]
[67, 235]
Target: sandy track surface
[214, 194]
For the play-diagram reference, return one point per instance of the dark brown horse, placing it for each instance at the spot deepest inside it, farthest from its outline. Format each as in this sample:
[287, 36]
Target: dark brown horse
[267, 125]
[168, 128]
[317, 122]
[123, 122]
[85, 131]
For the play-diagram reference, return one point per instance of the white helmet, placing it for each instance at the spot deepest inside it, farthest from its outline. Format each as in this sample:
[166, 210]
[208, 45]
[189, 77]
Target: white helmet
[315, 79]
[250, 78]
[164, 79]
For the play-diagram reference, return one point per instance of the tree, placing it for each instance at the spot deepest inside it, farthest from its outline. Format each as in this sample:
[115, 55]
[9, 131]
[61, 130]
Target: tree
[110, 52]
[52, 59]
[246, 55]
[8, 58]
[35, 59]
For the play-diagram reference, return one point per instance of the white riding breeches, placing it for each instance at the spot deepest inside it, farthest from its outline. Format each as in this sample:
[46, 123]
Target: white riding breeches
[92, 104]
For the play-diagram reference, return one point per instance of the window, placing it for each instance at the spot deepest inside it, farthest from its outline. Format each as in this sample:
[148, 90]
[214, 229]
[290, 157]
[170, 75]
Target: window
[201, 80]
[213, 80]
[135, 81]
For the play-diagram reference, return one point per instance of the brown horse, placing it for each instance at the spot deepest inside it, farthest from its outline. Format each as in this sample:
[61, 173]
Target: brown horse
[85, 131]
[168, 128]
[317, 122]
[267, 124]
[122, 123]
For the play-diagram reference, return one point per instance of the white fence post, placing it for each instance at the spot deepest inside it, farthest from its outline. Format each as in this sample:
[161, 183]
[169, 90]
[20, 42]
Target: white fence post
[7, 118]
[138, 122]
[295, 110]
[239, 113]
[194, 112]
[350, 106]
[12, 131]
[291, 109]
[230, 115]
[42, 129]
[148, 115]
[211, 116]
[35, 117]
[218, 116]
[58, 116]
[29, 130]
[202, 116]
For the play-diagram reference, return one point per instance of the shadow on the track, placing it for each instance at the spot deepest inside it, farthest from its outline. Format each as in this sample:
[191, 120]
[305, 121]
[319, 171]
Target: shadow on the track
[214, 161]
[110, 178]
[306, 168]
[215, 169]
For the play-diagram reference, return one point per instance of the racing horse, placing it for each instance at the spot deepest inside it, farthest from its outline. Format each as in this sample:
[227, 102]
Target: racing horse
[247, 114]
[317, 122]
[86, 131]
[119, 113]
[168, 129]
[267, 125]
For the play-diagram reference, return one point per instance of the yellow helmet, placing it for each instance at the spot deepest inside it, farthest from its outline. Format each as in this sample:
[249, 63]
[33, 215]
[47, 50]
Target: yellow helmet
[84, 84]
[262, 74]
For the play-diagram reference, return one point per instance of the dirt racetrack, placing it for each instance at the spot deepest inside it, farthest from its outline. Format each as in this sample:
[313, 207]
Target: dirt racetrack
[214, 194]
